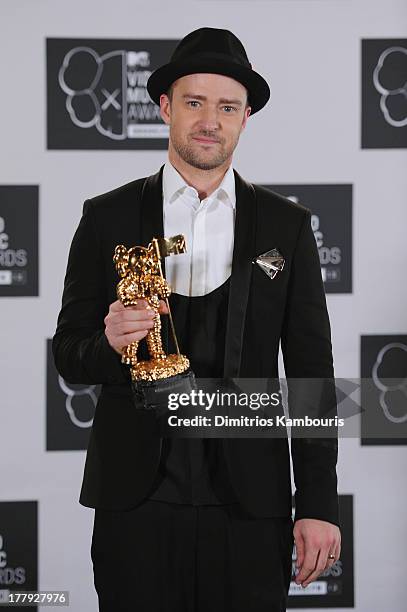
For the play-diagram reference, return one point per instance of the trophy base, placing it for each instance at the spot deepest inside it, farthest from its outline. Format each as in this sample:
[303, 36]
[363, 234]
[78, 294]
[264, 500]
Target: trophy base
[156, 369]
[153, 394]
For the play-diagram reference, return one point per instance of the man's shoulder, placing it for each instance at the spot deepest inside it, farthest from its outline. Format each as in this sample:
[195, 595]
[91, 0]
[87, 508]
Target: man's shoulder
[121, 196]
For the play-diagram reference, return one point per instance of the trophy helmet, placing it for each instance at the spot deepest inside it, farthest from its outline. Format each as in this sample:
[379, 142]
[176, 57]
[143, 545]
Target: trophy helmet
[141, 260]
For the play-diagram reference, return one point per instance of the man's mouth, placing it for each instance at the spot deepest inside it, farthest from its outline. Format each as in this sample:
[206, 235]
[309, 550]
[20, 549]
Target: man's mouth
[205, 140]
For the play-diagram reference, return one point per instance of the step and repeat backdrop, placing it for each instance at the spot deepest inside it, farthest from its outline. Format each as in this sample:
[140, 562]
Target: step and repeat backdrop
[77, 121]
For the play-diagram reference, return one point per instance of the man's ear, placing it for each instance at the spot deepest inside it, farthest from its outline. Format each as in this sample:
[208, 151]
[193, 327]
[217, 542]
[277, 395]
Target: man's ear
[247, 112]
[165, 108]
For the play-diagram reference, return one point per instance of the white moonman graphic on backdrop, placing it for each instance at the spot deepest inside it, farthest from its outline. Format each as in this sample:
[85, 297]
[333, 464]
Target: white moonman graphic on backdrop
[107, 91]
[87, 101]
[71, 394]
[386, 67]
[388, 390]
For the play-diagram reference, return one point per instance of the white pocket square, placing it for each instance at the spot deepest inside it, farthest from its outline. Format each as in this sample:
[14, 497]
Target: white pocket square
[270, 262]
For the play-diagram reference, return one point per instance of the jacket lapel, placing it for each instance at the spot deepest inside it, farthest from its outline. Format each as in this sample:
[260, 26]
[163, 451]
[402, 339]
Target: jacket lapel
[152, 225]
[243, 254]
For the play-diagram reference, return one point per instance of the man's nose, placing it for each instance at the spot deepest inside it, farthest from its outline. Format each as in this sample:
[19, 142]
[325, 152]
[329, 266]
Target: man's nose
[209, 119]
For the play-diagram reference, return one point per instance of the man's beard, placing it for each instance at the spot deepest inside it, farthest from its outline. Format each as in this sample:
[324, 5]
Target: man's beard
[202, 160]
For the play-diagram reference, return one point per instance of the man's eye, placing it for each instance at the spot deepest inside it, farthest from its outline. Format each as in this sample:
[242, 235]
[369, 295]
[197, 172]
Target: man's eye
[233, 108]
[193, 102]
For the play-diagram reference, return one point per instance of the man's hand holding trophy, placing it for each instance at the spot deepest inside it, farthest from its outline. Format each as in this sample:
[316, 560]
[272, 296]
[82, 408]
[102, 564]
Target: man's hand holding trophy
[142, 281]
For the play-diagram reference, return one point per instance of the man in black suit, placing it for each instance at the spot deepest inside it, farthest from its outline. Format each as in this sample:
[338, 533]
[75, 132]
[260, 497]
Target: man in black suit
[202, 524]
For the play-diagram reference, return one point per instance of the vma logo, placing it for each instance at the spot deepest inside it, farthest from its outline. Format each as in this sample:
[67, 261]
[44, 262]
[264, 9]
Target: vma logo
[18, 548]
[18, 240]
[384, 389]
[70, 410]
[335, 587]
[384, 93]
[97, 94]
[331, 221]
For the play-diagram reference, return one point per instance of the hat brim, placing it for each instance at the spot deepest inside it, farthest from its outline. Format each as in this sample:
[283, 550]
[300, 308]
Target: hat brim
[160, 80]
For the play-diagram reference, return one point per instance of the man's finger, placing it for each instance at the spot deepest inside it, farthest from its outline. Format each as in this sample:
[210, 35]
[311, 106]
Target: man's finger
[337, 551]
[130, 327]
[135, 314]
[330, 561]
[141, 304]
[308, 566]
[300, 550]
[320, 566]
[334, 551]
[127, 339]
[116, 306]
[163, 309]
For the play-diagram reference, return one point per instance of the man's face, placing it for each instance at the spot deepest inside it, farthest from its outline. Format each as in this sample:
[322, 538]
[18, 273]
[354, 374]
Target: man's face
[206, 116]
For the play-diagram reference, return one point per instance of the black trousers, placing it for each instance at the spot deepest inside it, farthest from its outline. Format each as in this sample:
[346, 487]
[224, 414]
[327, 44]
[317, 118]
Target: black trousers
[167, 557]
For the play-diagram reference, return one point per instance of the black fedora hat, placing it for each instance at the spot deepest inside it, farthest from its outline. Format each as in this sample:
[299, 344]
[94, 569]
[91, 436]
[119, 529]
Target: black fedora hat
[210, 50]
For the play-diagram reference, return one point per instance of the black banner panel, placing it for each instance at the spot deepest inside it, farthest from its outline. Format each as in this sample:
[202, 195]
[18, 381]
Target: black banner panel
[384, 93]
[70, 410]
[18, 240]
[18, 550]
[97, 96]
[383, 364]
[331, 208]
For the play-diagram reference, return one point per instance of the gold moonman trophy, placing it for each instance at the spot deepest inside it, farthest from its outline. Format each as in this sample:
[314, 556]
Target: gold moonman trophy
[142, 279]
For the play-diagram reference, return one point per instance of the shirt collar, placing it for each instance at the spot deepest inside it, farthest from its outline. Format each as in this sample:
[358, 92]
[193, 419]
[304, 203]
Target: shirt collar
[174, 185]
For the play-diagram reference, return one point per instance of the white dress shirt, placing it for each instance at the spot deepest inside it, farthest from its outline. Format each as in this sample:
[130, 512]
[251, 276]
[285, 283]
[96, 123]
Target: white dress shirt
[208, 227]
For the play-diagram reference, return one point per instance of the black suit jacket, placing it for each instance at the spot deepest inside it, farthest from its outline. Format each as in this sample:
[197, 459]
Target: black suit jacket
[124, 448]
